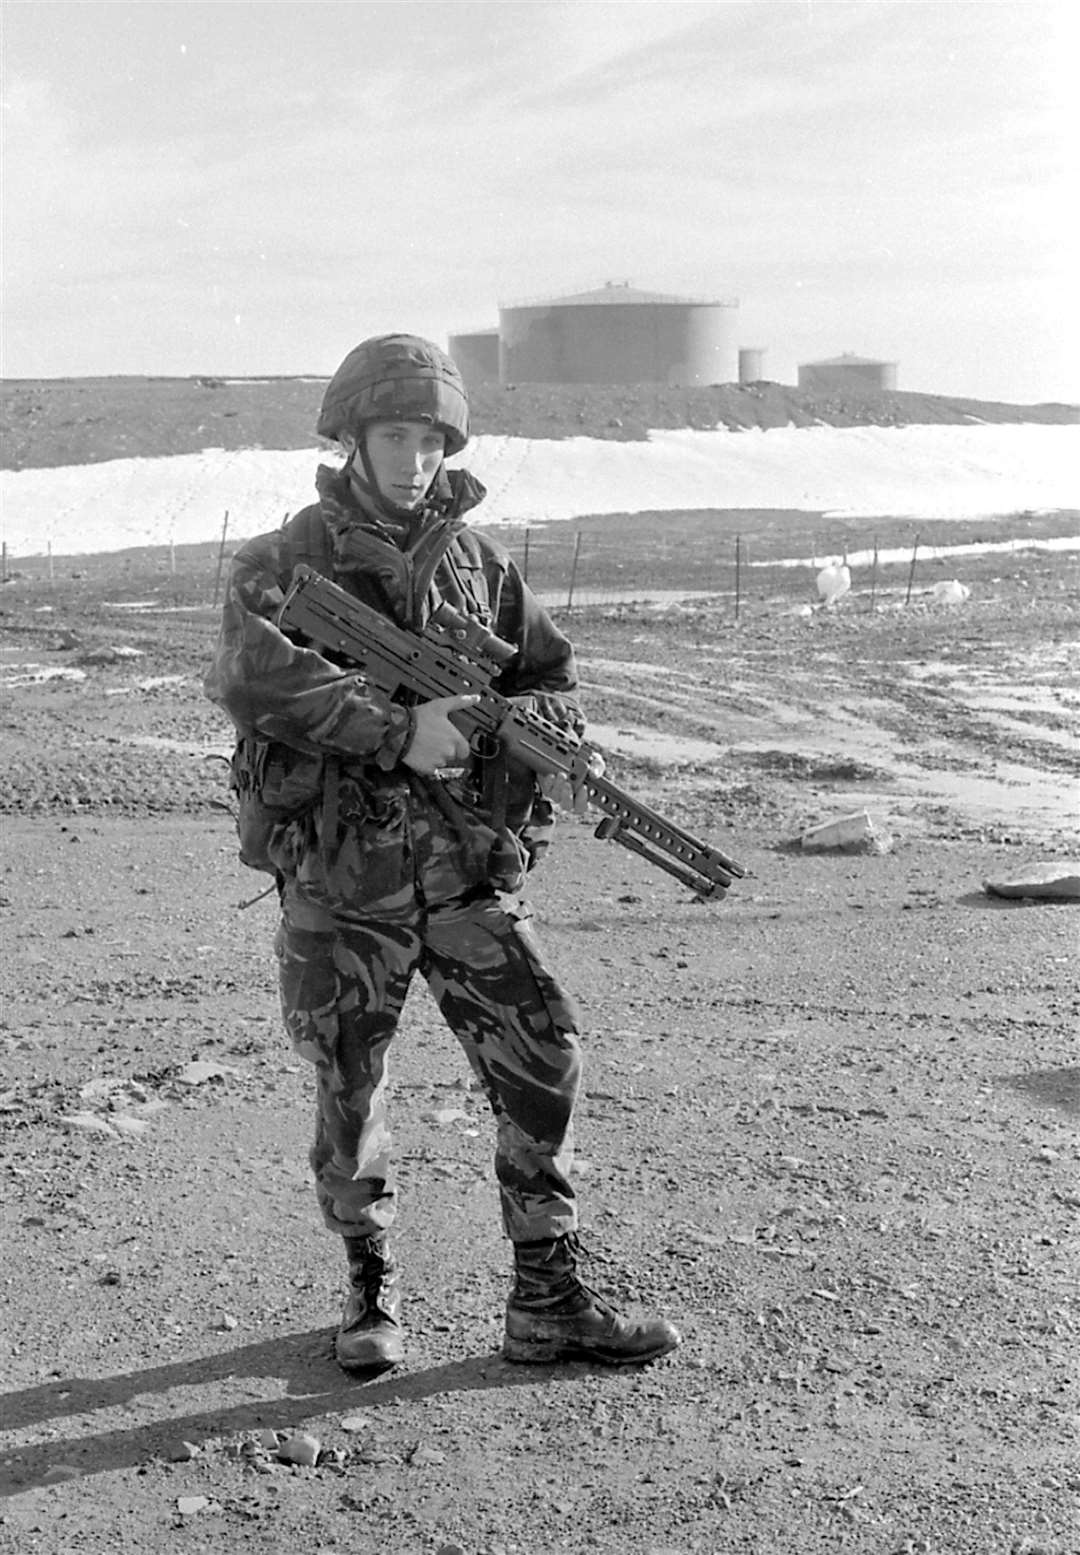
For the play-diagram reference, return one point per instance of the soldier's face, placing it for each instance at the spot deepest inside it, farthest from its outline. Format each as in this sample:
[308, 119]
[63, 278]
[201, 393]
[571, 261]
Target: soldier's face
[404, 458]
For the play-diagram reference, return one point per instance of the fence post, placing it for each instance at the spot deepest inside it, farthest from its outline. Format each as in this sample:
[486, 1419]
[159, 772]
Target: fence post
[738, 574]
[911, 571]
[525, 560]
[221, 555]
[573, 570]
[873, 576]
[3, 564]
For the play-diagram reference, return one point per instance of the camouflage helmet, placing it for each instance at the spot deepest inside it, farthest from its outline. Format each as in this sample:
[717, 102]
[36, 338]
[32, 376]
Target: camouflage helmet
[396, 378]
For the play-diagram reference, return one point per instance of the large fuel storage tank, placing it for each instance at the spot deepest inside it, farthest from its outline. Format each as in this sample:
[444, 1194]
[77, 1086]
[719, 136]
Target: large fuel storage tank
[618, 335]
[847, 371]
[751, 364]
[476, 353]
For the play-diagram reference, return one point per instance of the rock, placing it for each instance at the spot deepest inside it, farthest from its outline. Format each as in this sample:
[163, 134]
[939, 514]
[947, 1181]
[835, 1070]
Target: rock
[833, 583]
[184, 1452]
[445, 1115]
[99, 1088]
[1053, 881]
[855, 833]
[188, 1506]
[127, 1125]
[422, 1456]
[200, 1070]
[61, 1472]
[301, 1448]
[89, 1122]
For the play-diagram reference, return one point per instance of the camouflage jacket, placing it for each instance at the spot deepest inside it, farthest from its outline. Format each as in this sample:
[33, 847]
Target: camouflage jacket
[324, 800]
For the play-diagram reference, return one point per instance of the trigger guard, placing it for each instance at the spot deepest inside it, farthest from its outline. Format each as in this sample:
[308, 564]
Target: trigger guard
[483, 745]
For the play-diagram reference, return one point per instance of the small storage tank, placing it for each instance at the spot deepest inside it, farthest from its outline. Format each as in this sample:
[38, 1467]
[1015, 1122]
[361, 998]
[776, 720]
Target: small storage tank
[751, 364]
[618, 335]
[847, 371]
[476, 353]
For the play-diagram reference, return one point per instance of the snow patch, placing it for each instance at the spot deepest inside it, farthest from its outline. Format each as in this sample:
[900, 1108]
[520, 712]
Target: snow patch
[949, 472]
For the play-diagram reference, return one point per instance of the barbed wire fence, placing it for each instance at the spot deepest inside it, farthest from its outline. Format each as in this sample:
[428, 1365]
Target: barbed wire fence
[574, 568]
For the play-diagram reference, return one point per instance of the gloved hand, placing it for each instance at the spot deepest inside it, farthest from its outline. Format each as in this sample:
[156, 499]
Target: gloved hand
[562, 711]
[567, 793]
[436, 742]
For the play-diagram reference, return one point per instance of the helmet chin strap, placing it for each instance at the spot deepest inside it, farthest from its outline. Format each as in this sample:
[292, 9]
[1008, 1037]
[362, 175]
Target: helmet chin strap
[364, 482]
[370, 486]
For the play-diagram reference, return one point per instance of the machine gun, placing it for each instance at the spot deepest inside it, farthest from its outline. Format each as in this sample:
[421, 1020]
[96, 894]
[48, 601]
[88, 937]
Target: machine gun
[456, 655]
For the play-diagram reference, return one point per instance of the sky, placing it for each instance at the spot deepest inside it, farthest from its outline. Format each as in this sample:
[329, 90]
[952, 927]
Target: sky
[250, 188]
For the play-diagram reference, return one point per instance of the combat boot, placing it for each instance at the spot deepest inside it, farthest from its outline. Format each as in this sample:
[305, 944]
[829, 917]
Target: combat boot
[369, 1338]
[552, 1316]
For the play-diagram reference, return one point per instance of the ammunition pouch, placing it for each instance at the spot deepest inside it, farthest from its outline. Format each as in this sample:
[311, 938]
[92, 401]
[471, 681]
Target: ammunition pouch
[273, 785]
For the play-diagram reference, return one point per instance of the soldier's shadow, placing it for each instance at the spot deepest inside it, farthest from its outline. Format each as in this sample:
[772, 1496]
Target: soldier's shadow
[313, 1386]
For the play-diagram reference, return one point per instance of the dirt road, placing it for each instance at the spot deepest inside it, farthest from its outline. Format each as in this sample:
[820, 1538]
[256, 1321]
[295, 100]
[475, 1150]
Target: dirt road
[830, 1125]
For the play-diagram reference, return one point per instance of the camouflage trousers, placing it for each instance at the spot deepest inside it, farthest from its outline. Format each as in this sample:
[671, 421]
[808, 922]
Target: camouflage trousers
[343, 986]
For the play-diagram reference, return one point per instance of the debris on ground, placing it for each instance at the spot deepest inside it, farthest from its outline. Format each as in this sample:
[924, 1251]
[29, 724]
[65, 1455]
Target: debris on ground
[1056, 880]
[854, 833]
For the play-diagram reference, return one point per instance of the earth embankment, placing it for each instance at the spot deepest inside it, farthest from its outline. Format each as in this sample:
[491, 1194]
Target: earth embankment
[64, 421]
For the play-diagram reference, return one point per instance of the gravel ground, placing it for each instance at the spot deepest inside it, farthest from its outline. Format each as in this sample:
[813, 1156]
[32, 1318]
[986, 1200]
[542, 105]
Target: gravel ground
[830, 1124]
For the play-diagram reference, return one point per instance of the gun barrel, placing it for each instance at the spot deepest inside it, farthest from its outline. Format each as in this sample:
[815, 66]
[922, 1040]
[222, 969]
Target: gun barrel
[631, 815]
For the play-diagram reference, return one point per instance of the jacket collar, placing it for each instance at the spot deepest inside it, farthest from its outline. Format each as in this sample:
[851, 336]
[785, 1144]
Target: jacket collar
[402, 557]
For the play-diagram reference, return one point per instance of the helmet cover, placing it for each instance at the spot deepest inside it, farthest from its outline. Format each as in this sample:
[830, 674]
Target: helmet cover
[396, 378]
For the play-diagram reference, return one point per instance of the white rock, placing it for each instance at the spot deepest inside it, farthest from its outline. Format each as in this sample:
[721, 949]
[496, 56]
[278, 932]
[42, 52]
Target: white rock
[855, 833]
[1057, 880]
[833, 582]
[89, 1122]
[60, 1472]
[202, 1069]
[125, 1125]
[302, 1449]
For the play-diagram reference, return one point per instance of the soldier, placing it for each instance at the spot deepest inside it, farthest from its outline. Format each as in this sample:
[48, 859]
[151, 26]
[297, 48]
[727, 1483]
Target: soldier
[389, 864]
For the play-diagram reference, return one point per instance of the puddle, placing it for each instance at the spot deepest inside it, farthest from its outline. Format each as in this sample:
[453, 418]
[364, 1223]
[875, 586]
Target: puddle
[38, 674]
[1003, 794]
[153, 683]
[160, 742]
[1059, 1088]
[668, 598]
[1015, 707]
[865, 558]
[155, 605]
[650, 745]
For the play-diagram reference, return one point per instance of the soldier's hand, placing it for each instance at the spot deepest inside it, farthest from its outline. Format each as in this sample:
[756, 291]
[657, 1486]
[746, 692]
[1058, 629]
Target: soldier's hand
[569, 794]
[562, 711]
[436, 742]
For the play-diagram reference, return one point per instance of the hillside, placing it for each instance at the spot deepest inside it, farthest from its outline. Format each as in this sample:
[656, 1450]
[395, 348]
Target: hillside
[69, 421]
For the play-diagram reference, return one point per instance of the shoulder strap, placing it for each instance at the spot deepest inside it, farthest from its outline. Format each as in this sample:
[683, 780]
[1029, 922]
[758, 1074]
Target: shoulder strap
[306, 541]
